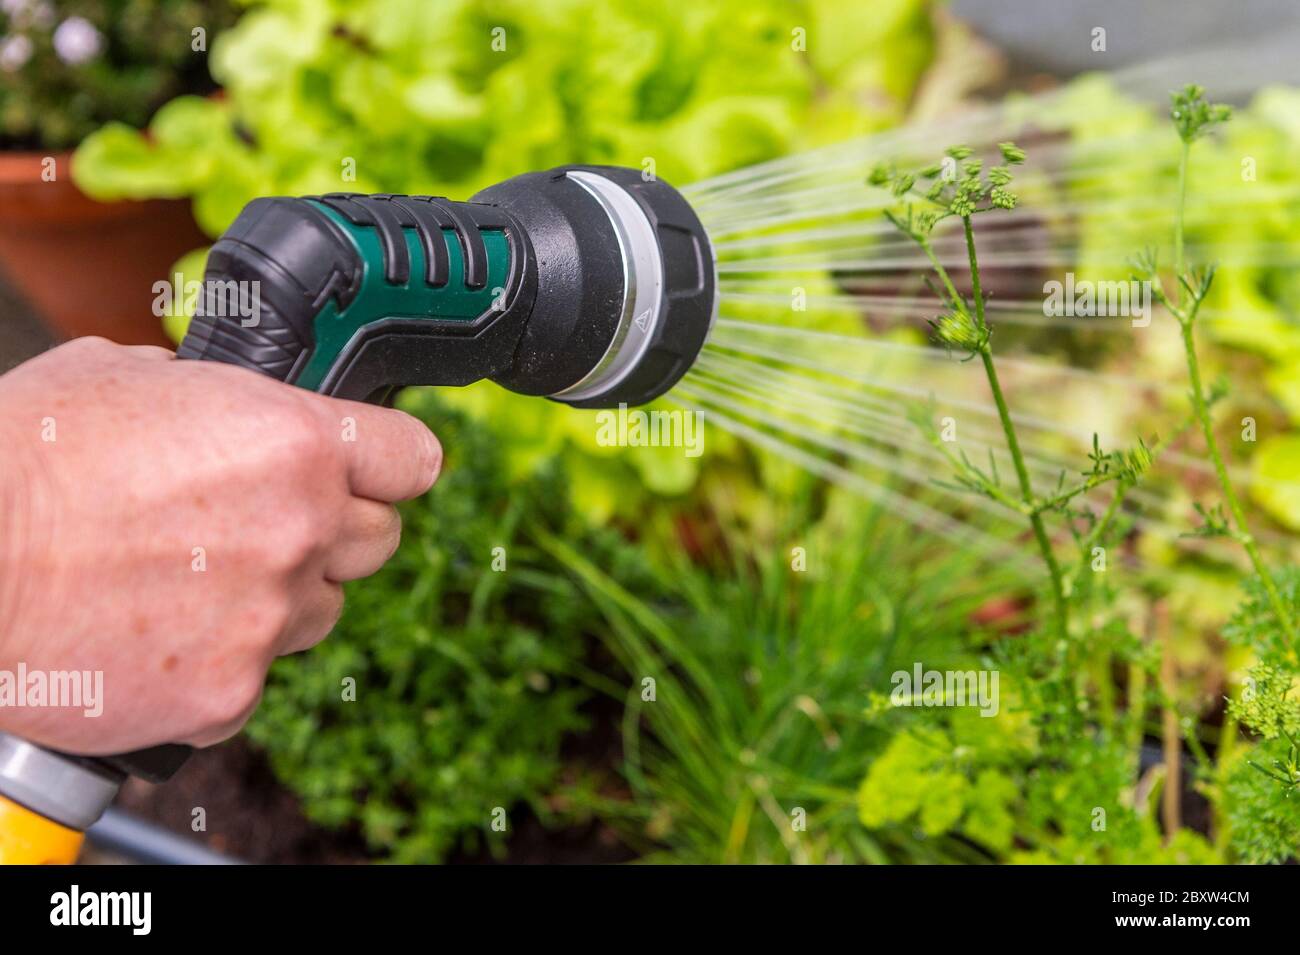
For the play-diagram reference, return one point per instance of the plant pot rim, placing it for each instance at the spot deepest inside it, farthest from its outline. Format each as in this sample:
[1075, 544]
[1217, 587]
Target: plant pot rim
[27, 200]
[21, 166]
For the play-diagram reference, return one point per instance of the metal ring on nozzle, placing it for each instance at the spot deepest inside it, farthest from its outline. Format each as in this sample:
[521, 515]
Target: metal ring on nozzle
[643, 281]
[669, 290]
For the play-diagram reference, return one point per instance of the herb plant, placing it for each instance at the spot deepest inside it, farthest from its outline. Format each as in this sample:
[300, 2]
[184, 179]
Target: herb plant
[1069, 743]
[1265, 817]
[1193, 118]
[1060, 673]
[963, 326]
[744, 733]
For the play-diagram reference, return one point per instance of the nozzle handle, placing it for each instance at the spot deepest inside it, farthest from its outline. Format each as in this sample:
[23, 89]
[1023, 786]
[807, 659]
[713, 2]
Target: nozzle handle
[156, 764]
[353, 295]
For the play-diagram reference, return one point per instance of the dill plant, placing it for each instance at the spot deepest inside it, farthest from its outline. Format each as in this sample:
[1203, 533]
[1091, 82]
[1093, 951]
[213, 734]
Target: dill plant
[1259, 787]
[1064, 760]
[959, 187]
[1085, 752]
[1193, 118]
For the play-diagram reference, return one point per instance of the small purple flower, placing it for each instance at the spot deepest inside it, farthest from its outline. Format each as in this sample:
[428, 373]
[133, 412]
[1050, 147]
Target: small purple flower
[76, 40]
[15, 51]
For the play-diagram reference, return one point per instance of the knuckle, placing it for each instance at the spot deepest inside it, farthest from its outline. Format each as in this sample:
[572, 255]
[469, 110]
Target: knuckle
[298, 437]
[90, 344]
[305, 441]
[279, 615]
[324, 618]
[300, 538]
[229, 704]
[268, 620]
[281, 552]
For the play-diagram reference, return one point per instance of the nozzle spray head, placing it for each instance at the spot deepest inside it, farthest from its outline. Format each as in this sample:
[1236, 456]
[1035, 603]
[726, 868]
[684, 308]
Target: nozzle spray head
[626, 285]
[591, 285]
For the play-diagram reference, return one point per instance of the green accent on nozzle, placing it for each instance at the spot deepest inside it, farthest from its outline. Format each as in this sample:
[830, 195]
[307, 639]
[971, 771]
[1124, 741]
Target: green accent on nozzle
[378, 299]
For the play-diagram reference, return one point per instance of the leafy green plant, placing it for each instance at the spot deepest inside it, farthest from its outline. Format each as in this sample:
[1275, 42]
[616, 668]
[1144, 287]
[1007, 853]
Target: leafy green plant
[993, 782]
[412, 96]
[1245, 324]
[70, 66]
[950, 779]
[447, 687]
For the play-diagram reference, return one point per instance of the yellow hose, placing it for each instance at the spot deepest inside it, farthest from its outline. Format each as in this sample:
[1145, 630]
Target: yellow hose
[27, 838]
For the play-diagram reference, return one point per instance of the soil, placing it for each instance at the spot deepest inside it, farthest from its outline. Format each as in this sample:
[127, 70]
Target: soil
[249, 815]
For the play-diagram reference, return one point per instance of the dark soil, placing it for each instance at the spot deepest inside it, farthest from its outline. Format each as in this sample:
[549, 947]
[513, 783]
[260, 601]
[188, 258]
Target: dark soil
[249, 814]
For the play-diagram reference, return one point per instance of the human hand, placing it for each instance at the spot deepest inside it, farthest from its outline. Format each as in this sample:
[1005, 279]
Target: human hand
[176, 526]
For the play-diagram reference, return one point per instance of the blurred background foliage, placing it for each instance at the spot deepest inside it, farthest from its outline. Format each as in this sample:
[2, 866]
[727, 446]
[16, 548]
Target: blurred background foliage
[66, 68]
[1256, 293]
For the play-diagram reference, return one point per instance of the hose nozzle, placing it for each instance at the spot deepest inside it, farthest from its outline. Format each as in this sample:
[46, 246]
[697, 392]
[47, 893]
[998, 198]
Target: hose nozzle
[591, 285]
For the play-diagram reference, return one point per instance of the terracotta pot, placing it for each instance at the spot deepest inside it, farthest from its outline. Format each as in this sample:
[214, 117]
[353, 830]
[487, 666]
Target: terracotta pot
[88, 267]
